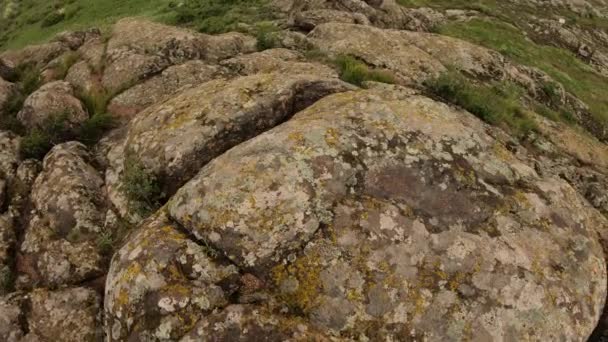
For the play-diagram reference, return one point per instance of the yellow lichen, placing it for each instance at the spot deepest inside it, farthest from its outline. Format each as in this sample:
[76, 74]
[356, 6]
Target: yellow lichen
[306, 270]
[331, 137]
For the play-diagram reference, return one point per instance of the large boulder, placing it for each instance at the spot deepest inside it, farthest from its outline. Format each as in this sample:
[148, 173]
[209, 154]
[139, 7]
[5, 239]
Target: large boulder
[140, 49]
[8, 92]
[160, 87]
[7, 70]
[174, 139]
[382, 215]
[60, 242]
[11, 317]
[412, 56]
[72, 314]
[52, 100]
[161, 283]
[276, 60]
[36, 55]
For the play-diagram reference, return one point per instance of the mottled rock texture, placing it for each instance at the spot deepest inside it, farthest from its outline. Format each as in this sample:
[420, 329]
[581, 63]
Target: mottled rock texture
[52, 100]
[294, 206]
[60, 242]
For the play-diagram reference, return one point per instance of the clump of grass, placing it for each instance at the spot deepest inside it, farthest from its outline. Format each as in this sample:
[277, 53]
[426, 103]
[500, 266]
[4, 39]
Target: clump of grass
[93, 129]
[356, 72]
[52, 18]
[141, 187]
[266, 37]
[66, 63]
[28, 77]
[218, 16]
[39, 141]
[498, 104]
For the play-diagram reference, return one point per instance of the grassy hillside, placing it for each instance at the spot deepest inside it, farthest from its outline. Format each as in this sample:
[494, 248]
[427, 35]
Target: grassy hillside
[24, 22]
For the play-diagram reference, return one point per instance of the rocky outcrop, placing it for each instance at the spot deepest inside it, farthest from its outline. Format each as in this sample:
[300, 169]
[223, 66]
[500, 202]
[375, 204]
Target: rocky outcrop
[160, 87]
[418, 209]
[174, 139]
[69, 315]
[60, 242]
[52, 101]
[140, 49]
[8, 91]
[295, 206]
[161, 283]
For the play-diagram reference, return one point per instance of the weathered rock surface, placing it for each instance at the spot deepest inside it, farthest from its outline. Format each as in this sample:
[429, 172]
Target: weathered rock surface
[251, 323]
[140, 49]
[52, 100]
[38, 55]
[65, 315]
[7, 92]
[276, 60]
[161, 283]
[411, 220]
[60, 242]
[175, 138]
[11, 317]
[7, 70]
[160, 87]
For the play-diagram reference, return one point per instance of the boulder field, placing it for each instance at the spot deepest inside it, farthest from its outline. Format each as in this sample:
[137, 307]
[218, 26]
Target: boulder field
[284, 203]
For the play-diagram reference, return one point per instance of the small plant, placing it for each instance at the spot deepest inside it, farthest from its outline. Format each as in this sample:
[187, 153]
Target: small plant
[266, 37]
[105, 242]
[356, 72]
[51, 132]
[28, 76]
[66, 63]
[52, 19]
[6, 280]
[141, 188]
[91, 131]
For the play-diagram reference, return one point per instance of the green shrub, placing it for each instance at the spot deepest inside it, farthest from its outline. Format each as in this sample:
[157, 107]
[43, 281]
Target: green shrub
[141, 188]
[35, 145]
[67, 61]
[39, 141]
[218, 16]
[28, 76]
[356, 72]
[92, 130]
[52, 19]
[498, 104]
[266, 37]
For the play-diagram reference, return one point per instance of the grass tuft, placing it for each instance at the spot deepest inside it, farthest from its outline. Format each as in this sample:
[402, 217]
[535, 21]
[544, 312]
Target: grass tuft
[498, 104]
[141, 187]
[356, 72]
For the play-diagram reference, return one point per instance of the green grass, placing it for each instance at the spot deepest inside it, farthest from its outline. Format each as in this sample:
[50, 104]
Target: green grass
[31, 23]
[34, 21]
[356, 72]
[141, 188]
[577, 77]
[498, 104]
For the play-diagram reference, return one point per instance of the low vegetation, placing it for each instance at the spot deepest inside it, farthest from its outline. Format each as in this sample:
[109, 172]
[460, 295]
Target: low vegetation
[39, 141]
[577, 77]
[141, 188]
[32, 21]
[218, 16]
[498, 104]
[356, 72]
